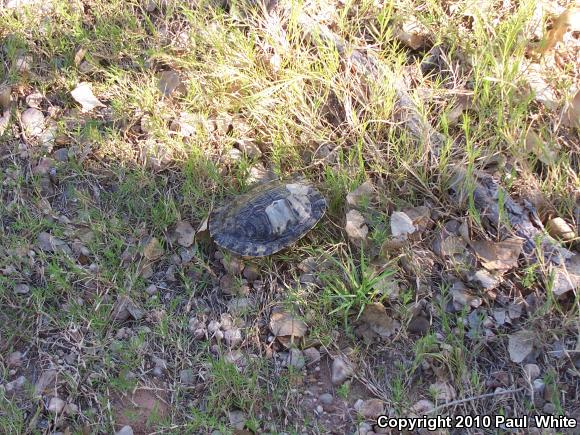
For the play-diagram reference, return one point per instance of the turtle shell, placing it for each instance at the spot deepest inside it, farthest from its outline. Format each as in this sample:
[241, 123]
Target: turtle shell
[267, 218]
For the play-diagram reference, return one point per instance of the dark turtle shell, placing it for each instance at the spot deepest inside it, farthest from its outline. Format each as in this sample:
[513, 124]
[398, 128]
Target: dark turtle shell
[267, 218]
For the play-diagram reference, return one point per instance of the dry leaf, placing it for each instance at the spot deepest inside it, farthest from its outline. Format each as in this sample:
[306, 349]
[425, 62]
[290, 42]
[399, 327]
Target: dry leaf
[412, 33]
[32, 121]
[184, 233]
[543, 91]
[83, 94]
[5, 92]
[572, 114]
[462, 297]
[536, 146]
[169, 82]
[153, 249]
[569, 19]
[355, 226]
[374, 321]
[401, 225]
[420, 216]
[80, 55]
[559, 229]
[361, 195]
[49, 243]
[125, 308]
[498, 255]
[520, 345]
[283, 324]
[566, 277]
[4, 121]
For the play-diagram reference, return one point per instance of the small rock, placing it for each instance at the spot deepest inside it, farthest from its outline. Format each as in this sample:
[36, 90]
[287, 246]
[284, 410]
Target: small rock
[71, 409]
[186, 377]
[237, 419]
[233, 265]
[151, 290]
[295, 359]
[233, 337]
[539, 386]
[34, 100]
[213, 326]
[185, 234]
[61, 155]
[422, 407]
[125, 430]
[249, 148]
[532, 371]
[341, 370]
[169, 82]
[22, 63]
[16, 384]
[251, 272]
[364, 428]
[56, 405]
[549, 408]
[32, 121]
[312, 355]
[21, 289]
[369, 409]
[15, 359]
[326, 399]
[239, 305]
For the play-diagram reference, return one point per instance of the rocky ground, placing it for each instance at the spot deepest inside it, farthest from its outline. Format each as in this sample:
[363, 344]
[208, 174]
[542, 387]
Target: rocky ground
[442, 281]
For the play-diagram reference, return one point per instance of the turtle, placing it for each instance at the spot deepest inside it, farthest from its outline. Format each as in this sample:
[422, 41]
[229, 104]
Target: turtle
[267, 218]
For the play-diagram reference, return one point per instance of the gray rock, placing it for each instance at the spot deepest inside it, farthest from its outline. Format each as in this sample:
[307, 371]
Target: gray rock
[237, 419]
[21, 289]
[532, 371]
[16, 384]
[61, 155]
[326, 399]
[15, 359]
[56, 405]
[251, 272]
[295, 359]
[312, 355]
[549, 408]
[125, 430]
[186, 377]
[341, 371]
[233, 337]
[32, 121]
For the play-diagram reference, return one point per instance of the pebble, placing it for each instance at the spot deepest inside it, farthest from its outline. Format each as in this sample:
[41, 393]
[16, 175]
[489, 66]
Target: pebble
[319, 409]
[233, 265]
[539, 386]
[237, 419]
[32, 121]
[151, 290]
[364, 428]
[233, 337]
[326, 399]
[61, 155]
[532, 371]
[341, 370]
[186, 376]
[295, 359]
[549, 408]
[56, 405]
[21, 289]
[251, 272]
[15, 384]
[15, 359]
[312, 355]
[125, 430]
[370, 408]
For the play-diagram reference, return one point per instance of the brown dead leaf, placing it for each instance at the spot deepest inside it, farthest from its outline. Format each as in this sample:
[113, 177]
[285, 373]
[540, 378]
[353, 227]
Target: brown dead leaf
[153, 249]
[569, 19]
[5, 92]
[48, 243]
[498, 255]
[520, 345]
[47, 379]
[80, 55]
[184, 233]
[572, 113]
[374, 321]
[283, 323]
[356, 228]
[462, 296]
[412, 33]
